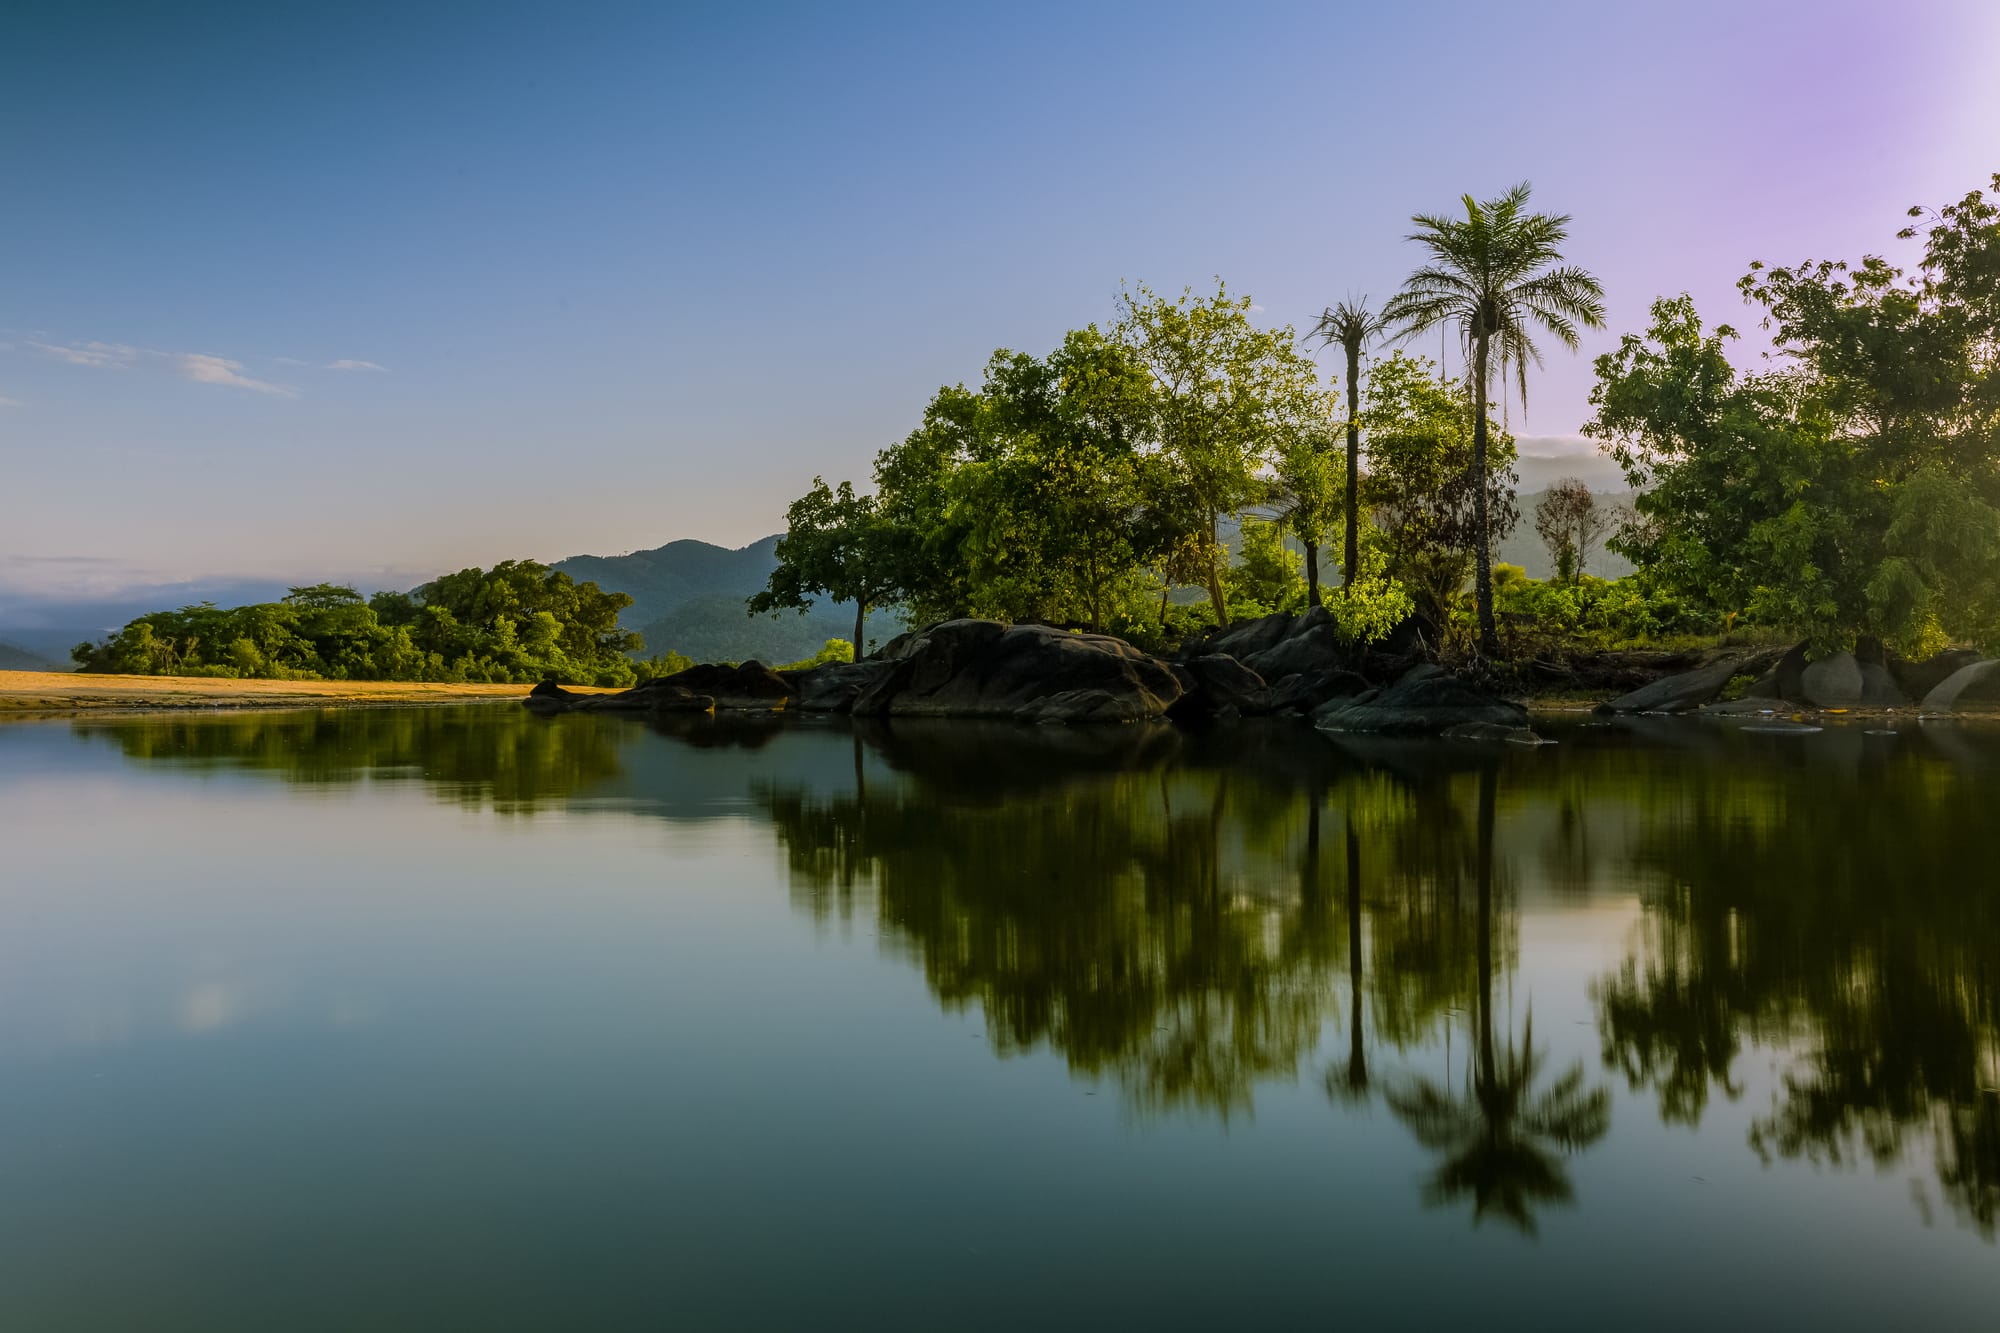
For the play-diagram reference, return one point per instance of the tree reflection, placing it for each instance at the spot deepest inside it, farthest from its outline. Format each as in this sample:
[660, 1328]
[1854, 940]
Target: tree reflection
[1499, 1140]
[1838, 913]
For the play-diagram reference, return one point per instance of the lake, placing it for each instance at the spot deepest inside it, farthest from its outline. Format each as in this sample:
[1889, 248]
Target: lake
[462, 1018]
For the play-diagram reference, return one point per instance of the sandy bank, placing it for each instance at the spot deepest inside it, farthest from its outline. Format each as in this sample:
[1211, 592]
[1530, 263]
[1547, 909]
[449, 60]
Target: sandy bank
[27, 693]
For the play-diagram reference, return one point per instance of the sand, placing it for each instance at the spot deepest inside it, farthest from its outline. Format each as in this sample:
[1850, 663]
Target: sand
[25, 693]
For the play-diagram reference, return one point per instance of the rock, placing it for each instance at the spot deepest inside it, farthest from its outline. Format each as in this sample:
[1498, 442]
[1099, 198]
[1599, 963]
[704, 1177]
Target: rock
[982, 668]
[1676, 694]
[750, 686]
[1879, 688]
[1783, 680]
[551, 697]
[1493, 731]
[1425, 702]
[1416, 633]
[1222, 686]
[1318, 648]
[651, 696]
[1246, 637]
[1918, 679]
[1969, 686]
[1309, 689]
[833, 688]
[1831, 682]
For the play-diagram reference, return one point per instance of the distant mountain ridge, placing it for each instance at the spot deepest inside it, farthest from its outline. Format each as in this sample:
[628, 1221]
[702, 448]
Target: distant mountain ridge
[20, 659]
[688, 597]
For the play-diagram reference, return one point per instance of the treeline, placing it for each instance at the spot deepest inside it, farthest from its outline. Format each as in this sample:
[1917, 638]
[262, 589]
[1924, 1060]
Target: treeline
[1852, 487]
[519, 621]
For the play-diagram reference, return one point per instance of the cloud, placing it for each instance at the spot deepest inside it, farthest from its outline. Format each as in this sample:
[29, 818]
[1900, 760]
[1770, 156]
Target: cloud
[99, 356]
[204, 369]
[356, 365]
[5, 401]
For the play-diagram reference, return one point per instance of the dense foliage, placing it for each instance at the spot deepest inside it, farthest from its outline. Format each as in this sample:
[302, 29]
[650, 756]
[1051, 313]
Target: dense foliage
[1854, 486]
[519, 621]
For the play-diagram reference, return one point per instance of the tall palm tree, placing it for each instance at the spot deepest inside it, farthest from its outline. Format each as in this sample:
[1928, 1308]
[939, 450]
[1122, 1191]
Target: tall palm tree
[1496, 275]
[1353, 326]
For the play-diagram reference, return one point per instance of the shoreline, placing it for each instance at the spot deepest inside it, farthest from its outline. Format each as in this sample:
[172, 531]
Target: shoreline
[45, 694]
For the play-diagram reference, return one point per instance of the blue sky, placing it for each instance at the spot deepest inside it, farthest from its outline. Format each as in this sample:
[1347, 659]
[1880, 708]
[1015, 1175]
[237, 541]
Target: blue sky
[383, 290]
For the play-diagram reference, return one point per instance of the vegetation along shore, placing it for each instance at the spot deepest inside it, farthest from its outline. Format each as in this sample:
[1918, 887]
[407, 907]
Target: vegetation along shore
[1177, 514]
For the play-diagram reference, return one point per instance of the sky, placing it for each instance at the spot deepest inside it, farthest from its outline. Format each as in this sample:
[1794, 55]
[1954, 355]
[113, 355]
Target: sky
[375, 291]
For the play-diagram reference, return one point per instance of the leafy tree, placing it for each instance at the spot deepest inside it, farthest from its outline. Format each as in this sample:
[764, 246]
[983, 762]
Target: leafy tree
[1422, 487]
[1224, 394]
[1312, 496]
[1495, 275]
[1569, 521]
[1353, 327]
[1265, 577]
[835, 544]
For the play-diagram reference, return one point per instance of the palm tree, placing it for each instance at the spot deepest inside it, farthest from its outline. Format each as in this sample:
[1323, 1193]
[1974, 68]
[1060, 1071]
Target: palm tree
[1496, 274]
[1352, 326]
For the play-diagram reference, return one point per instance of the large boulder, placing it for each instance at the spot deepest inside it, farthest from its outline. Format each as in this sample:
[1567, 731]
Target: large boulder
[1918, 679]
[652, 696]
[749, 686]
[1316, 647]
[834, 687]
[982, 668]
[1426, 701]
[1677, 694]
[1974, 686]
[1246, 637]
[1832, 682]
[1782, 681]
[1308, 690]
[1222, 687]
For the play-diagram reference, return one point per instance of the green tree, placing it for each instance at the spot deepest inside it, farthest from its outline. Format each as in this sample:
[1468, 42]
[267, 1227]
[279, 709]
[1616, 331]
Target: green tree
[1351, 325]
[1311, 494]
[1422, 486]
[1852, 488]
[1224, 394]
[1496, 276]
[835, 544]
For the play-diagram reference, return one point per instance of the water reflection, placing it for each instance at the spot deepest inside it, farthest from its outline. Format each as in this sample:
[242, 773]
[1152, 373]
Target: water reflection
[1190, 917]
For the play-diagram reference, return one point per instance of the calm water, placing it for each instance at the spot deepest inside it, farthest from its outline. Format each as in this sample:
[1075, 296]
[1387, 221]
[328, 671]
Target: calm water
[464, 1019]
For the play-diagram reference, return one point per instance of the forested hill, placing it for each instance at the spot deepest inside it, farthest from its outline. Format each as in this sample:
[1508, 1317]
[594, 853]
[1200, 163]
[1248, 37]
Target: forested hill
[20, 659]
[687, 596]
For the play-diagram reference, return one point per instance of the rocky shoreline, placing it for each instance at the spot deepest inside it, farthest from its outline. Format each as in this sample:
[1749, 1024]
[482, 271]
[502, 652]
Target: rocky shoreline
[1282, 666]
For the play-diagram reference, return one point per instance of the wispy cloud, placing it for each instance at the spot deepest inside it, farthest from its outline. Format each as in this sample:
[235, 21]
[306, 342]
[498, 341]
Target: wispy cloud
[100, 356]
[204, 369]
[356, 365]
[201, 367]
[5, 401]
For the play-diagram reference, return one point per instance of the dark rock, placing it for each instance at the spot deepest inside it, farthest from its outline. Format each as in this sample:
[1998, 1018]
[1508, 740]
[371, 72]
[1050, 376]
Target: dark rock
[1318, 648]
[1677, 694]
[1918, 679]
[1879, 688]
[1416, 634]
[1223, 686]
[1427, 701]
[1246, 637]
[1309, 689]
[551, 697]
[1785, 678]
[1831, 682]
[833, 688]
[1972, 686]
[982, 668]
[751, 685]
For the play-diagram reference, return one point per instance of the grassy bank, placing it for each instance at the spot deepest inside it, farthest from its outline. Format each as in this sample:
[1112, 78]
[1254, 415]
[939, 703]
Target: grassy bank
[28, 693]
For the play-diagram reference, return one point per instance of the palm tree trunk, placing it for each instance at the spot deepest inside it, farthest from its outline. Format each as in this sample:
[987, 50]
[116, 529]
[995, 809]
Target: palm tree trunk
[1482, 559]
[860, 623]
[1215, 571]
[1352, 556]
[1312, 573]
